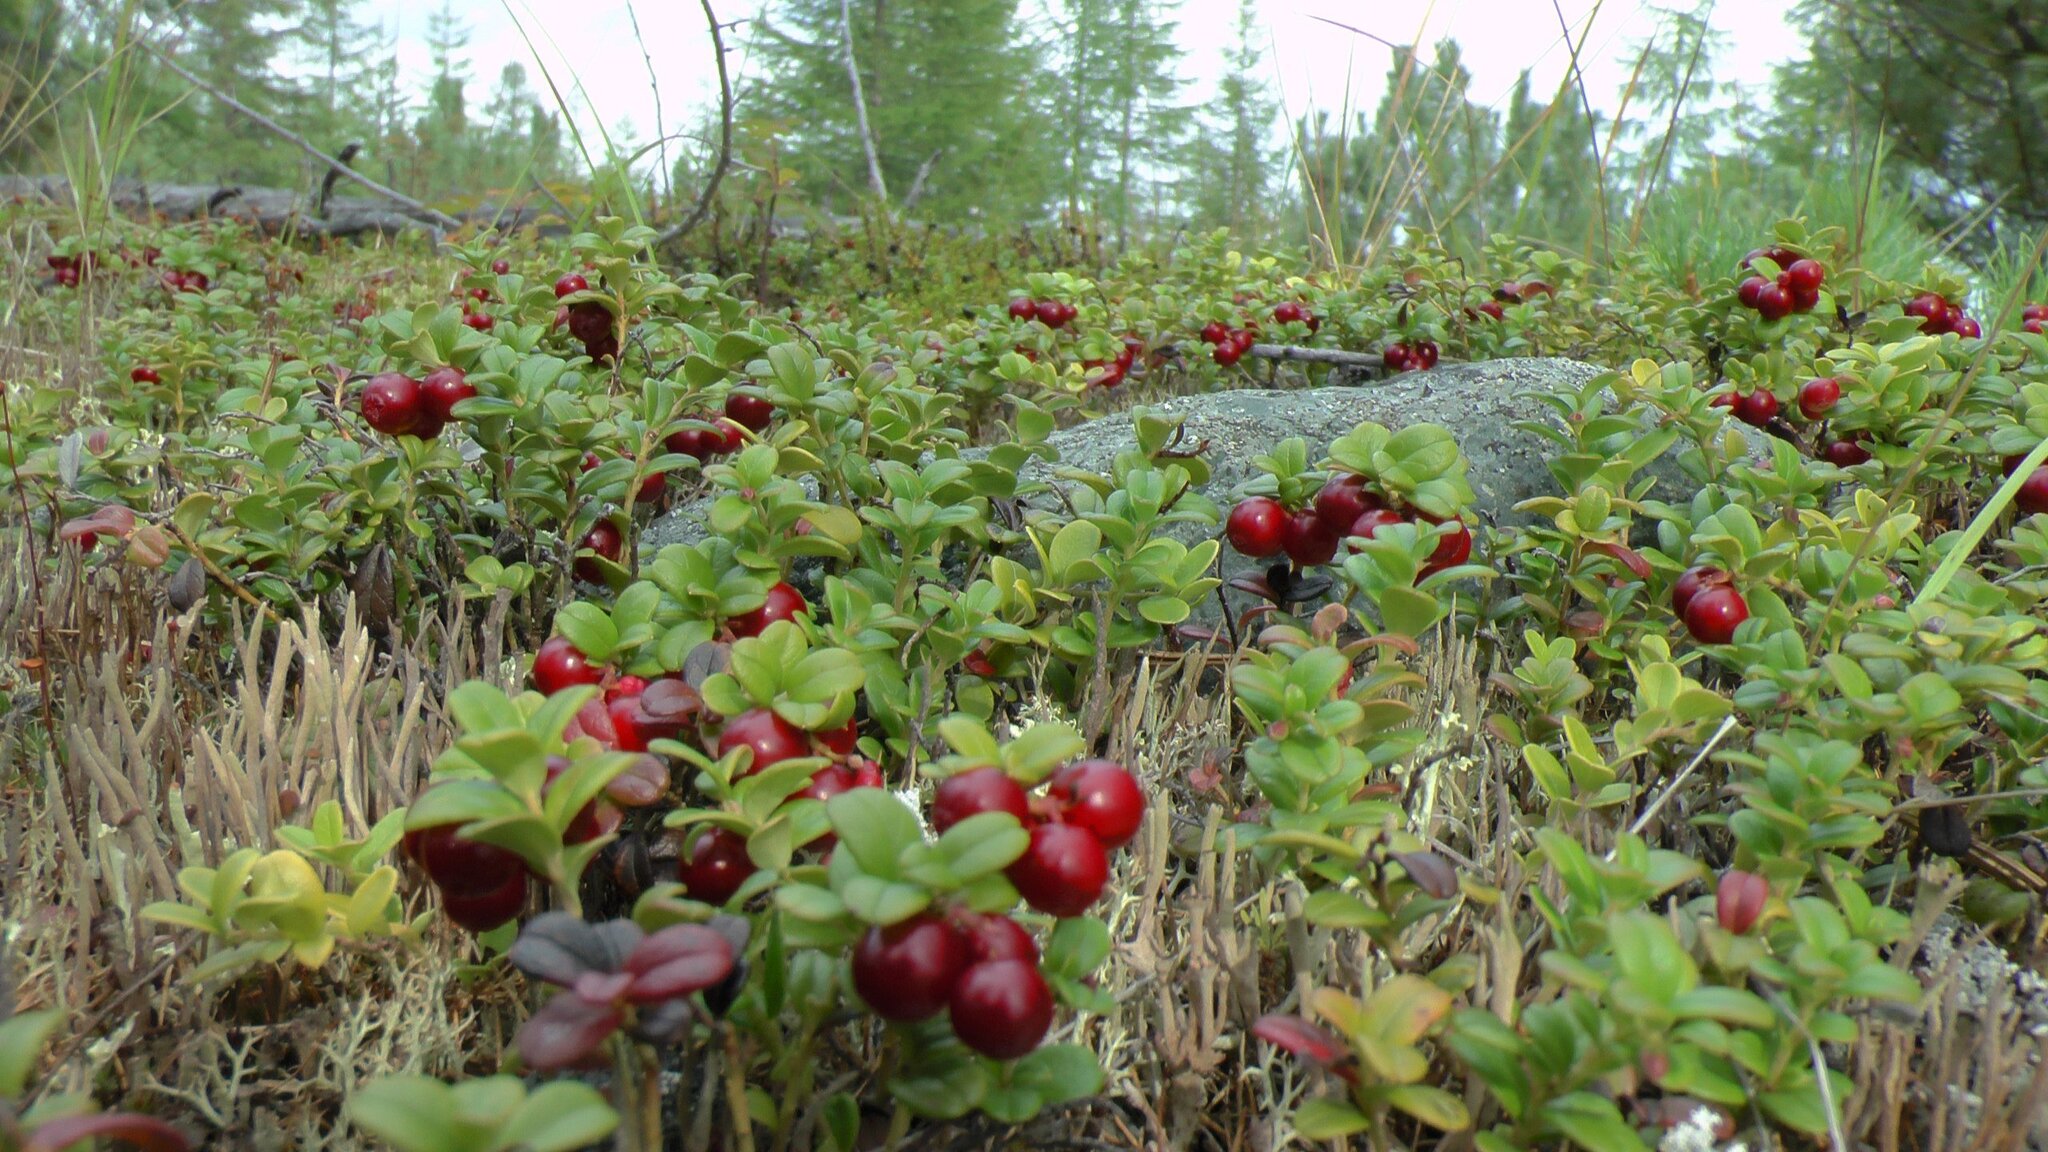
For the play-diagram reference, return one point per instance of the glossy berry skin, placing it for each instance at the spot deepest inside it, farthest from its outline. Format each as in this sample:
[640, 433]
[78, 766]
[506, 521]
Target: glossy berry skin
[590, 322]
[1773, 302]
[1101, 796]
[483, 911]
[501, 267]
[392, 403]
[1343, 499]
[143, 374]
[976, 791]
[2034, 325]
[998, 938]
[1287, 312]
[1398, 358]
[560, 664]
[1257, 527]
[783, 603]
[458, 865]
[1001, 1009]
[1927, 306]
[1749, 291]
[1803, 275]
[1063, 871]
[1818, 397]
[906, 972]
[605, 540]
[2032, 498]
[1425, 352]
[1452, 549]
[1226, 353]
[1307, 540]
[442, 389]
[1214, 332]
[1023, 308]
[841, 741]
[714, 864]
[2034, 312]
[481, 321]
[1758, 408]
[1804, 299]
[1691, 582]
[1051, 313]
[1967, 328]
[1712, 614]
[572, 282]
[748, 411]
[772, 738]
[1372, 520]
[1845, 454]
[701, 443]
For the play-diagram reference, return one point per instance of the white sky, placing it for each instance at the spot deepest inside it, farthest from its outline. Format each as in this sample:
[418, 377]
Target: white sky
[1310, 63]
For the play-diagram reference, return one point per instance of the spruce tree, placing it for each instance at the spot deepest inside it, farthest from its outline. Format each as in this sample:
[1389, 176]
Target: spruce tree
[1230, 161]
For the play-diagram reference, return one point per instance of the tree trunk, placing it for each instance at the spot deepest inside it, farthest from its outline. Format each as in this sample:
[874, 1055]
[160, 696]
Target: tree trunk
[860, 108]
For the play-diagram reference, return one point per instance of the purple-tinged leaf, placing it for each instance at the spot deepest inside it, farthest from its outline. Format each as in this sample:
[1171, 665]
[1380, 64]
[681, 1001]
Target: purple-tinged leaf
[662, 1023]
[558, 947]
[1301, 1039]
[602, 987]
[567, 1030]
[678, 961]
[1431, 873]
[145, 1132]
[641, 784]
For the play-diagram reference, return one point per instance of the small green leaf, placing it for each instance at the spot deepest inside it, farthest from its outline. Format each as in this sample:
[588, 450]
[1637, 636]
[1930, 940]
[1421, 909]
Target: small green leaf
[1328, 1118]
[875, 827]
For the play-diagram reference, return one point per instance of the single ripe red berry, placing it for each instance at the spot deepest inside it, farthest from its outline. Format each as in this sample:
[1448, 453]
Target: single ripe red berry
[1818, 397]
[1804, 299]
[772, 739]
[2032, 498]
[560, 664]
[1001, 1009]
[1242, 339]
[1372, 520]
[1967, 328]
[2034, 312]
[1758, 408]
[701, 443]
[841, 741]
[1845, 453]
[484, 911]
[573, 282]
[605, 541]
[1287, 312]
[481, 321]
[976, 791]
[392, 403]
[998, 938]
[1689, 584]
[1739, 900]
[143, 374]
[1713, 613]
[1257, 527]
[749, 411]
[442, 389]
[906, 972]
[783, 603]
[1214, 332]
[2034, 325]
[1492, 310]
[1068, 312]
[713, 864]
[1023, 308]
[1773, 302]
[1803, 275]
[1343, 498]
[1050, 313]
[1227, 353]
[1307, 540]
[501, 266]
[1425, 353]
[458, 865]
[1101, 796]
[590, 322]
[1452, 549]
[1063, 871]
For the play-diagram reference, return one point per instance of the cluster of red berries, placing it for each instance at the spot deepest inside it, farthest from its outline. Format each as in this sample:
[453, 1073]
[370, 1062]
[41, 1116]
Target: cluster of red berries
[1110, 373]
[484, 886]
[398, 405]
[1051, 313]
[473, 313]
[1419, 355]
[2034, 319]
[1089, 809]
[1938, 316]
[743, 413]
[67, 271]
[1510, 292]
[1345, 506]
[589, 321]
[1706, 599]
[1797, 288]
[981, 970]
[1295, 312]
[1231, 344]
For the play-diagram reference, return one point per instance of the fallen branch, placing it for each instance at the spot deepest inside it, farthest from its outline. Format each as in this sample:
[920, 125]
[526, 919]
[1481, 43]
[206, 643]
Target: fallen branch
[1291, 353]
[275, 210]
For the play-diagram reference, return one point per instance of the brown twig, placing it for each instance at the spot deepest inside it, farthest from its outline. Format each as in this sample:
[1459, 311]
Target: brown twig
[718, 170]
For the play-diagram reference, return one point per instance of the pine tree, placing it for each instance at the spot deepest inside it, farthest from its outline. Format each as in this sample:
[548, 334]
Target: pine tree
[336, 46]
[235, 45]
[1230, 160]
[1112, 100]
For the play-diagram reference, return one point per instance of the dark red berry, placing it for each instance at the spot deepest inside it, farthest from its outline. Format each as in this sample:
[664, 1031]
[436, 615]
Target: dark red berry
[501, 266]
[906, 972]
[1214, 332]
[1287, 312]
[1001, 1009]
[2032, 497]
[1226, 353]
[1845, 454]
[976, 791]
[1023, 308]
[772, 738]
[605, 541]
[1773, 302]
[1372, 520]
[714, 864]
[1452, 549]
[1101, 796]
[1713, 613]
[392, 403]
[481, 321]
[1739, 900]
[461, 866]
[1492, 310]
[1804, 299]
[1758, 408]
[442, 389]
[748, 411]
[1257, 527]
[142, 374]
[1750, 291]
[1063, 871]
[560, 664]
[1398, 358]
[573, 282]
[1425, 353]
[590, 322]
[1050, 313]
[483, 911]
[1818, 397]
[2034, 312]
[1307, 540]
[702, 443]
[998, 938]
[1343, 499]
[1967, 328]
[1803, 275]
[783, 603]
[1691, 582]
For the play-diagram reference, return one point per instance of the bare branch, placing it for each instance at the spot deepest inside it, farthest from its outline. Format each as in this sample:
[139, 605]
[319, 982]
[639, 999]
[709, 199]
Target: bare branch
[718, 170]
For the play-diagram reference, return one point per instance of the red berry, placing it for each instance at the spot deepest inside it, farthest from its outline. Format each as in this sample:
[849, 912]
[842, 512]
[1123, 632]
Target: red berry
[483, 911]
[977, 663]
[481, 321]
[1713, 613]
[1845, 454]
[1691, 582]
[461, 866]
[2035, 325]
[1818, 397]
[1425, 352]
[1257, 527]
[1050, 313]
[1452, 549]
[1001, 1009]
[841, 741]
[1739, 899]
[1773, 302]
[392, 403]
[906, 972]
[1967, 328]
[714, 864]
[1242, 339]
[1803, 275]
[143, 374]
[586, 826]
[772, 738]
[1758, 408]
[1398, 358]
[1372, 520]
[1492, 309]
[1804, 299]
[998, 938]
[2034, 312]
[573, 282]
[783, 603]
[605, 540]
[1287, 312]
[1226, 353]
[560, 664]
[1101, 796]
[442, 389]
[2032, 498]
[976, 791]
[1214, 332]
[1023, 308]
[1749, 291]
[702, 443]
[748, 411]
[1063, 871]
[501, 267]
[590, 322]
[1307, 540]
[1343, 499]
